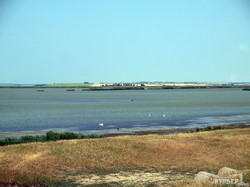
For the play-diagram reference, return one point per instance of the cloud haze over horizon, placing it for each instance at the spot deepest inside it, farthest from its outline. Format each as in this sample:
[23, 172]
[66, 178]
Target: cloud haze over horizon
[124, 41]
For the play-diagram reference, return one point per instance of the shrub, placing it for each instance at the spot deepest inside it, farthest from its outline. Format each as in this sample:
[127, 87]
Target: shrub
[28, 139]
[52, 136]
[207, 129]
[68, 136]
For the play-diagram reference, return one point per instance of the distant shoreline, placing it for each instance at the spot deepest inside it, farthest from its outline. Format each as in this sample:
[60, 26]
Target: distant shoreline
[132, 85]
[122, 88]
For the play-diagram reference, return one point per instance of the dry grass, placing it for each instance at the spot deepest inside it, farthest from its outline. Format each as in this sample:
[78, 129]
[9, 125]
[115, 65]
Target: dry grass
[46, 162]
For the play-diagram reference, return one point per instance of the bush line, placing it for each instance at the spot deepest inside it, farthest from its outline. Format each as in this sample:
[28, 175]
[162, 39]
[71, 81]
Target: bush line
[209, 128]
[54, 136]
[50, 136]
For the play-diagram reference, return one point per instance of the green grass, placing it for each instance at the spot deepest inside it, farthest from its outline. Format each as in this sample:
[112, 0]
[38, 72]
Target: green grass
[50, 136]
[154, 88]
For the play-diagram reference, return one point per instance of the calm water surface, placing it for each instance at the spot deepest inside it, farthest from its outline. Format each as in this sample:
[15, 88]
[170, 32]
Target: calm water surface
[24, 109]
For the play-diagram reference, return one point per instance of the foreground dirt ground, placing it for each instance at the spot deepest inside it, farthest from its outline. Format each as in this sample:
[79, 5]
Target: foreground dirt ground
[125, 160]
[128, 178]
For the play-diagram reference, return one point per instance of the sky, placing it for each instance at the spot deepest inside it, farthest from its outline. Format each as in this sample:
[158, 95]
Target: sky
[73, 41]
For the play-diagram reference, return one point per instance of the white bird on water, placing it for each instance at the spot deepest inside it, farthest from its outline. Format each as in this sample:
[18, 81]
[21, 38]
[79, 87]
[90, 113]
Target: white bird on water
[149, 115]
[164, 115]
[101, 124]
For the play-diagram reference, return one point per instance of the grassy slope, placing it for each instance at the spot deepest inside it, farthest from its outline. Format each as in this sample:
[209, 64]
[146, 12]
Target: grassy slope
[46, 162]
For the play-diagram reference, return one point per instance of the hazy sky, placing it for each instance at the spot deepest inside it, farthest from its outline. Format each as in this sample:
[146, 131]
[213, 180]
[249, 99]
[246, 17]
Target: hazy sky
[58, 41]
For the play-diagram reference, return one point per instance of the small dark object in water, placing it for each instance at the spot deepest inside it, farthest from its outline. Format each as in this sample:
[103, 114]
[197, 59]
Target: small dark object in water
[71, 90]
[246, 89]
[118, 129]
[132, 100]
[40, 90]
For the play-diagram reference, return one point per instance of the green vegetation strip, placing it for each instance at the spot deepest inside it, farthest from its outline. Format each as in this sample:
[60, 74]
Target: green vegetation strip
[54, 136]
[50, 136]
[207, 129]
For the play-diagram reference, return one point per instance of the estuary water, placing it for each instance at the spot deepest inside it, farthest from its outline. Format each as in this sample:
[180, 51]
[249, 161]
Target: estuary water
[26, 109]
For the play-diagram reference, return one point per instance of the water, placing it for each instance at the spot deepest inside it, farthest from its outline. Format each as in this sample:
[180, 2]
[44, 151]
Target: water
[23, 109]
